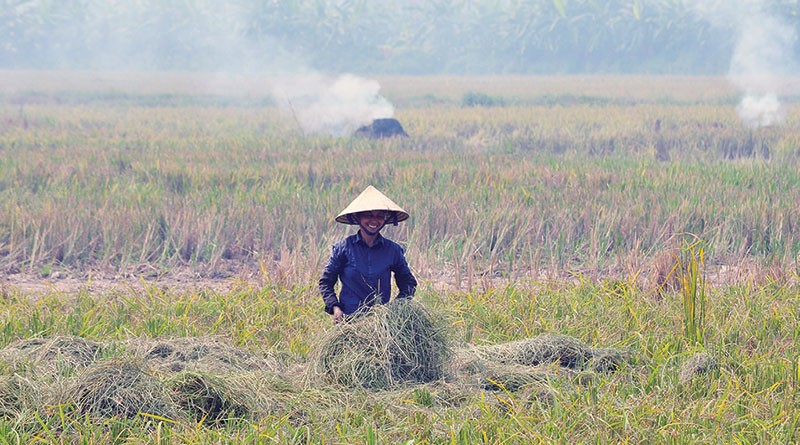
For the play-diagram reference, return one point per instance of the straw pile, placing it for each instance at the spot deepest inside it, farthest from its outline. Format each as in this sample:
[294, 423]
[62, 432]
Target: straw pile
[608, 359]
[52, 355]
[532, 362]
[392, 344]
[208, 354]
[698, 365]
[17, 394]
[210, 398]
[545, 349]
[120, 388]
[206, 378]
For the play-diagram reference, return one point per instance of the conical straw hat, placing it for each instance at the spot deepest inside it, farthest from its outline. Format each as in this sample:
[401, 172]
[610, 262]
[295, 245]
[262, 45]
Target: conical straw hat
[371, 199]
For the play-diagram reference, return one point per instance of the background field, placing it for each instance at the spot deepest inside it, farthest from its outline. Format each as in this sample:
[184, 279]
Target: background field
[568, 205]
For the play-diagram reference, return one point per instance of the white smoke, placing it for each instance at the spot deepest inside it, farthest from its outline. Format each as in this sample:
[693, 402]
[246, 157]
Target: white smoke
[763, 110]
[331, 105]
[762, 55]
[210, 37]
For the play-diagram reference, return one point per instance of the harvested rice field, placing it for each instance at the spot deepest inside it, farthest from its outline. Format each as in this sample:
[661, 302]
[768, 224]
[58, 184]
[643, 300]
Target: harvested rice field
[600, 260]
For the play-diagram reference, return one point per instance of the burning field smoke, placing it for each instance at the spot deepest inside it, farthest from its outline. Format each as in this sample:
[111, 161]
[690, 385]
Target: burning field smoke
[761, 55]
[334, 106]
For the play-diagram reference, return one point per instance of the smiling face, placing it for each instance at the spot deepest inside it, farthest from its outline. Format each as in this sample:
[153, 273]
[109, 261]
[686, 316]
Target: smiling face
[372, 221]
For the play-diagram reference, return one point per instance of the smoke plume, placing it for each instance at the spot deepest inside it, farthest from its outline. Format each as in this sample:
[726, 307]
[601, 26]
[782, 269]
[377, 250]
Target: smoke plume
[326, 105]
[762, 54]
[219, 40]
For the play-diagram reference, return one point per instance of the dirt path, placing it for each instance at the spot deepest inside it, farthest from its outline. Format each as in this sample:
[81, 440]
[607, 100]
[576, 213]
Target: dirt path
[98, 282]
[241, 276]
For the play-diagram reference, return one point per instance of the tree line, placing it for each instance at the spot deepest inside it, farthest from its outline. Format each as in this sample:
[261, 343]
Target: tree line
[374, 36]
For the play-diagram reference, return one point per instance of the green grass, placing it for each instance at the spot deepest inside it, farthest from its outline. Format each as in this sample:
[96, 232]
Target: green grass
[751, 397]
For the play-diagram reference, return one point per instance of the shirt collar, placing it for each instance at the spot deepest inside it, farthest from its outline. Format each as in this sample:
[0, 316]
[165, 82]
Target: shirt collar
[378, 239]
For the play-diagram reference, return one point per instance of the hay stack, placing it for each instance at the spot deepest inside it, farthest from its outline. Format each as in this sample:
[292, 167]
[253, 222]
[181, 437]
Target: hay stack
[211, 399]
[698, 365]
[17, 394]
[493, 375]
[120, 388]
[52, 355]
[608, 359]
[209, 354]
[393, 343]
[544, 349]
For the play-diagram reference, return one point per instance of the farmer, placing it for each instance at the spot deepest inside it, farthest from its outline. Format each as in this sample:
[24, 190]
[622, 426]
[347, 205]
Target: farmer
[364, 261]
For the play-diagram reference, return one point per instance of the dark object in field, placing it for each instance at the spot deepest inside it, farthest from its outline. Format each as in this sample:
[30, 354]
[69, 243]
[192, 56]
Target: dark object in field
[382, 128]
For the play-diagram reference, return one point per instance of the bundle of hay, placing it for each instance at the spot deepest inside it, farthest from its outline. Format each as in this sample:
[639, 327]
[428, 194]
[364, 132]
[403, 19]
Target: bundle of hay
[211, 399]
[698, 365]
[608, 359]
[393, 343]
[493, 375]
[513, 377]
[209, 354]
[52, 355]
[17, 394]
[120, 388]
[544, 349]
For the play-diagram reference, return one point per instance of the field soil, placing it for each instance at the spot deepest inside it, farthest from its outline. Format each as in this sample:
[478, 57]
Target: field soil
[174, 280]
[239, 274]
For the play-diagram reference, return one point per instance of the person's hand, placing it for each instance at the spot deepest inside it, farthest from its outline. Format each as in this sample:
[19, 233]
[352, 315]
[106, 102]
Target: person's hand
[338, 315]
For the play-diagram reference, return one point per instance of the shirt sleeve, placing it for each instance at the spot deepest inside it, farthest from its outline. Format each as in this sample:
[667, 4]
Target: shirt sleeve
[403, 277]
[330, 275]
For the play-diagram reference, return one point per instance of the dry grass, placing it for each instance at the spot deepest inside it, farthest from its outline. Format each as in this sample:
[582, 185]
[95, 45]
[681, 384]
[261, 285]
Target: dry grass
[533, 361]
[214, 399]
[698, 365]
[120, 388]
[52, 355]
[545, 349]
[18, 394]
[391, 344]
[205, 378]
[207, 354]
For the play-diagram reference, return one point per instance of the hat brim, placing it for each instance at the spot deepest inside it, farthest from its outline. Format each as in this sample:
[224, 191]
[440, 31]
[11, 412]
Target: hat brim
[370, 200]
[352, 218]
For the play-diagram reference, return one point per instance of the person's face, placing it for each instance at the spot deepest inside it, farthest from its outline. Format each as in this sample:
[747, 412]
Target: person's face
[373, 220]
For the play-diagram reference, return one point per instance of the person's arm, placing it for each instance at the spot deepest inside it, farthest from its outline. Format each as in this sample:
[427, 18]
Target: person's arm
[330, 275]
[403, 277]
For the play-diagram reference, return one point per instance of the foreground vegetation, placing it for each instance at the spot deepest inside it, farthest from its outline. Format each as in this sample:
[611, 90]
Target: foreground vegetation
[649, 224]
[746, 392]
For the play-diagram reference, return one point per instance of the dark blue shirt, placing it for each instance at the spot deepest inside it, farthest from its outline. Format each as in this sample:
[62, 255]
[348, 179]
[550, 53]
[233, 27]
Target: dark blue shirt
[365, 274]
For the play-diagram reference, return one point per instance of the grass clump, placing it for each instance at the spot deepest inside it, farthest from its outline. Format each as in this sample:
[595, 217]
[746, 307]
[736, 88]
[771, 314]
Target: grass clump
[533, 362]
[608, 359]
[391, 344]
